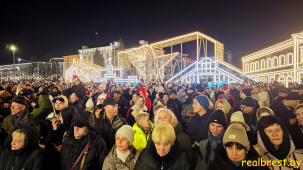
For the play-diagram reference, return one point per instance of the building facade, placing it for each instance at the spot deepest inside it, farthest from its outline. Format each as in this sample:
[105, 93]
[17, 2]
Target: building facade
[105, 52]
[26, 71]
[282, 62]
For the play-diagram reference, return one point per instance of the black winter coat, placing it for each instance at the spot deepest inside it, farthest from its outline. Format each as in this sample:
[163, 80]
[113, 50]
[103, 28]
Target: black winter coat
[78, 89]
[107, 130]
[176, 159]
[29, 157]
[72, 148]
[281, 111]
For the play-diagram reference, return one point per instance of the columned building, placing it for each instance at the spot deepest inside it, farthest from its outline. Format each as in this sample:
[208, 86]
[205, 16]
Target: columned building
[282, 62]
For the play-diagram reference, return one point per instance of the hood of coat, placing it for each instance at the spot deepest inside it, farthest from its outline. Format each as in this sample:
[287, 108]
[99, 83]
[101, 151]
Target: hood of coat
[44, 101]
[31, 141]
[143, 91]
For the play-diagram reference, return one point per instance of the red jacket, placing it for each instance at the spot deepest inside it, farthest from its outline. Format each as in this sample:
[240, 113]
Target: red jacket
[147, 100]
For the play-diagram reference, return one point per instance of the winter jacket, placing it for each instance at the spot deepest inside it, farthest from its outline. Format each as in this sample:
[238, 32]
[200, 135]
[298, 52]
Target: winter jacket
[198, 127]
[29, 157]
[107, 130]
[183, 138]
[147, 100]
[44, 103]
[176, 159]
[8, 122]
[123, 105]
[235, 93]
[222, 162]
[140, 138]
[296, 134]
[131, 119]
[78, 89]
[72, 148]
[295, 155]
[281, 111]
[112, 162]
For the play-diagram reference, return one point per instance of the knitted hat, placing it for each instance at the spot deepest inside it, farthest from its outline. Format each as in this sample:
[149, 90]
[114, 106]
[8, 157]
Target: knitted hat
[225, 88]
[293, 96]
[75, 77]
[109, 101]
[236, 133]
[247, 92]
[238, 117]
[203, 101]
[22, 100]
[82, 119]
[127, 131]
[89, 103]
[249, 102]
[219, 117]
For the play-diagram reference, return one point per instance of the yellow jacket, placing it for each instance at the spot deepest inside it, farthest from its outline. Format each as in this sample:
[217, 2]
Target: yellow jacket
[140, 138]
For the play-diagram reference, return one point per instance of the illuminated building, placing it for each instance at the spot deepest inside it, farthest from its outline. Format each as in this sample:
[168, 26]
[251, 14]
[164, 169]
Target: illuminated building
[282, 62]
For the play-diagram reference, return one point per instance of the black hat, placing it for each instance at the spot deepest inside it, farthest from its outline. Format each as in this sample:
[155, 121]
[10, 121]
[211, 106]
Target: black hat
[1, 88]
[300, 87]
[173, 91]
[22, 100]
[109, 101]
[249, 102]
[247, 92]
[82, 119]
[219, 117]
[8, 99]
[293, 96]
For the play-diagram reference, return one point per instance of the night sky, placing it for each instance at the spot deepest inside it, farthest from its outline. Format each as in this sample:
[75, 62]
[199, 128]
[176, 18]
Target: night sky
[44, 29]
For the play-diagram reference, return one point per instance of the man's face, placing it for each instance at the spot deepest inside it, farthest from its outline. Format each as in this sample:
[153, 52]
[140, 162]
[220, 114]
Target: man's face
[232, 86]
[117, 96]
[256, 90]
[73, 98]
[293, 103]
[111, 110]
[55, 90]
[17, 109]
[196, 106]
[242, 95]
[246, 109]
[173, 96]
[215, 129]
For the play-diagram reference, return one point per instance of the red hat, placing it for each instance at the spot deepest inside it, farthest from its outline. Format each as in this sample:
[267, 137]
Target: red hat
[75, 77]
[225, 88]
[87, 92]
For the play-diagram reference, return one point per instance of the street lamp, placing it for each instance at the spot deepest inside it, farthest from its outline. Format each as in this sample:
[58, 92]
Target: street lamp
[13, 48]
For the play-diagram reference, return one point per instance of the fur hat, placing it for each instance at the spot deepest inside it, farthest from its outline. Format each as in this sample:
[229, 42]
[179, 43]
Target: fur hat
[127, 131]
[236, 133]
[22, 100]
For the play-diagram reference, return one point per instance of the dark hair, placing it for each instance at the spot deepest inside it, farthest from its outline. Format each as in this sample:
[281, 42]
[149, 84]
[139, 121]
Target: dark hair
[99, 106]
[238, 145]
[200, 88]
[161, 95]
[118, 92]
[195, 95]
[67, 115]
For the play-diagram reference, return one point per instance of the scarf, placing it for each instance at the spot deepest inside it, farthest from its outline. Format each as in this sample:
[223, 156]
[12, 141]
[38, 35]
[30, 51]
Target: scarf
[212, 145]
[122, 156]
[18, 118]
[225, 97]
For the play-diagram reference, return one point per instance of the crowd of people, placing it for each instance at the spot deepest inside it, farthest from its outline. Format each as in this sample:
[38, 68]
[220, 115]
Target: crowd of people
[150, 126]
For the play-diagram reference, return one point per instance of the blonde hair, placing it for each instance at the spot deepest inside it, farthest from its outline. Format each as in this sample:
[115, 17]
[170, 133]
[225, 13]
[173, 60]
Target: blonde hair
[140, 116]
[141, 98]
[164, 132]
[174, 122]
[225, 103]
[264, 110]
[19, 134]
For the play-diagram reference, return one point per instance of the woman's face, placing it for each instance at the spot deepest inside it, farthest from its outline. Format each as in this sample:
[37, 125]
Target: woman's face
[164, 117]
[299, 114]
[16, 143]
[140, 102]
[163, 148]
[220, 106]
[97, 113]
[215, 129]
[122, 143]
[275, 134]
[235, 154]
[135, 97]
